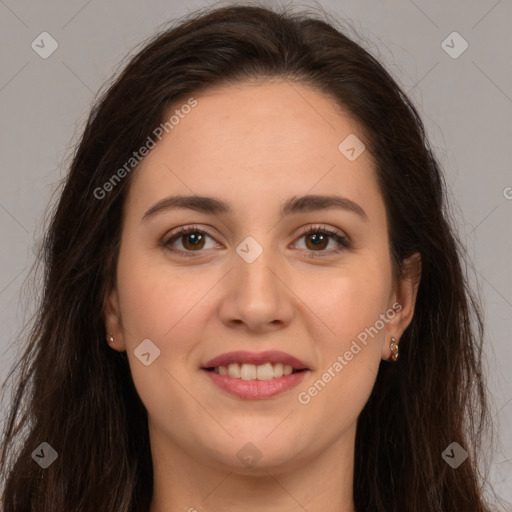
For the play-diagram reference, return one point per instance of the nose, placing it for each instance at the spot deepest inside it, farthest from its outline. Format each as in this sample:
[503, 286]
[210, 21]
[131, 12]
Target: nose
[257, 295]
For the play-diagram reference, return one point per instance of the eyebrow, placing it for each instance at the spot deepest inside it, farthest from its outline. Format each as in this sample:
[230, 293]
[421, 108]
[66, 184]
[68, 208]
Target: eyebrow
[293, 205]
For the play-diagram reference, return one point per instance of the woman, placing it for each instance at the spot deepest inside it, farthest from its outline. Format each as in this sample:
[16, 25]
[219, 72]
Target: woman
[253, 296]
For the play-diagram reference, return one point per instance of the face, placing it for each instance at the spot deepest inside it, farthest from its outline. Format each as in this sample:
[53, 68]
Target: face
[248, 277]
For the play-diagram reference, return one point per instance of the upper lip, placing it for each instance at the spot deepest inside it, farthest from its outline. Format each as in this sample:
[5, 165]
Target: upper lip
[256, 358]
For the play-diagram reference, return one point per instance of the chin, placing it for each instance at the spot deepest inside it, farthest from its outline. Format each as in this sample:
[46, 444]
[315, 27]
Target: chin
[253, 452]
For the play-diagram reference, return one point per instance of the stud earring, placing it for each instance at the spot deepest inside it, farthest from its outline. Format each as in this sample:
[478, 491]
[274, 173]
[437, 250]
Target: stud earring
[394, 349]
[111, 340]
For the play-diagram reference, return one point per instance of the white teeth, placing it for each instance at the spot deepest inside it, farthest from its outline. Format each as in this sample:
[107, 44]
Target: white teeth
[234, 370]
[278, 370]
[264, 371]
[247, 371]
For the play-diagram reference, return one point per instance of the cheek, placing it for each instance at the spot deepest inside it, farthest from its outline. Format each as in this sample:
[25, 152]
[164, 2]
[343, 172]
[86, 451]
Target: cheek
[155, 298]
[349, 359]
[348, 300]
[161, 307]
[350, 303]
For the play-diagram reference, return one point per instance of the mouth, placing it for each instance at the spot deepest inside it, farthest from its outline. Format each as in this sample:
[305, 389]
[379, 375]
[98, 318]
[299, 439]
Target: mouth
[255, 365]
[248, 371]
[252, 375]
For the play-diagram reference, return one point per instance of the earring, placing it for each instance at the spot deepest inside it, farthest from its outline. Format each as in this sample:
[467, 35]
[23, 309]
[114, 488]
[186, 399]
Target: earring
[394, 349]
[111, 340]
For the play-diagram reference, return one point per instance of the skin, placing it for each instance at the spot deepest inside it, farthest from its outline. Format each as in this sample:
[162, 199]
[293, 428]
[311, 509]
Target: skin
[254, 146]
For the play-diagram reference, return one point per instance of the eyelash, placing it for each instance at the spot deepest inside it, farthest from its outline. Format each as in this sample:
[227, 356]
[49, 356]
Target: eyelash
[182, 231]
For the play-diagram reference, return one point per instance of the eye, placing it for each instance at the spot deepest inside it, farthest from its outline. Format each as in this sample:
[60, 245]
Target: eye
[318, 238]
[193, 239]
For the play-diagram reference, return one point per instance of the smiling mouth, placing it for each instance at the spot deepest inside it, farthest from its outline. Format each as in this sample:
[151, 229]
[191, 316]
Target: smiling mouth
[247, 371]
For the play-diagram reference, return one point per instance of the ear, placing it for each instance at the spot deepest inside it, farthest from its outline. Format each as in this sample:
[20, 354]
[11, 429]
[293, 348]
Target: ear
[113, 321]
[404, 300]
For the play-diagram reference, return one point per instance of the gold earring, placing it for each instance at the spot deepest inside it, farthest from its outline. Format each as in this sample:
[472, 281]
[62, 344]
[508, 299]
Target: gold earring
[394, 349]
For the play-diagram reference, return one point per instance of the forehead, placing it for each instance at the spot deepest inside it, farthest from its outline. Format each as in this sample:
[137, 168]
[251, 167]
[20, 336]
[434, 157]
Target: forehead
[257, 142]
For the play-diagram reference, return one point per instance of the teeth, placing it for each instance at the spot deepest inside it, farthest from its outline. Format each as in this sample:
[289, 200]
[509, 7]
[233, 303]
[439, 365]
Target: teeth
[234, 370]
[278, 370]
[247, 371]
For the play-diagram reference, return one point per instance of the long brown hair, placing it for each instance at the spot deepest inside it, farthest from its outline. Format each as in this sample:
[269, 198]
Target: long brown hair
[76, 394]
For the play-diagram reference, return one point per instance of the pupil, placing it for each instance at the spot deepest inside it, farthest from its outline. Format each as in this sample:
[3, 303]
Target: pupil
[317, 239]
[193, 235]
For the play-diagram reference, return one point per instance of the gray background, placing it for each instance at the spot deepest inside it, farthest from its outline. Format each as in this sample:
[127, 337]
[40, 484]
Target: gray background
[465, 102]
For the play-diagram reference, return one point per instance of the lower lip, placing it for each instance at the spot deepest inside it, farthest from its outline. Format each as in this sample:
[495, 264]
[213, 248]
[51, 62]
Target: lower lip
[256, 389]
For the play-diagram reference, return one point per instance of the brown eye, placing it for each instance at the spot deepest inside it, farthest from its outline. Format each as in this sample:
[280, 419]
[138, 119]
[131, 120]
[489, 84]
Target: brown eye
[193, 240]
[318, 238]
[318, 241]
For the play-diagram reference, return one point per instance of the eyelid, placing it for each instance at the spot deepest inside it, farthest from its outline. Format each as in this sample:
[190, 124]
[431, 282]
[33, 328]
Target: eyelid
[340, 237]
